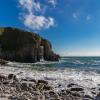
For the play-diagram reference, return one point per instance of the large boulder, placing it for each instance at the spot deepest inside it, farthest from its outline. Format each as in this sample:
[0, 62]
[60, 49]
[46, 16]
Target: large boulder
[22, 46]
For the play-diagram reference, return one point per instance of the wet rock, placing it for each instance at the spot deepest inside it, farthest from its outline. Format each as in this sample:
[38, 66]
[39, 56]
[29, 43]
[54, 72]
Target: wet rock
[11, 76]
[47, 87]
[97, 97]
[5, 82]
[76, 94]
[71, 84]
[77, 89]
[93, 92]
[42, 81]
[3, 62]
[62, 92]
[53, 95]
[24, 86]
[32, 80]
[88, 97]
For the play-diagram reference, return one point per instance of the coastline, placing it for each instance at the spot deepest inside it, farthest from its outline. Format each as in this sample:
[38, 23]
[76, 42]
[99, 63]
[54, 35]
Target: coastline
[45, 84]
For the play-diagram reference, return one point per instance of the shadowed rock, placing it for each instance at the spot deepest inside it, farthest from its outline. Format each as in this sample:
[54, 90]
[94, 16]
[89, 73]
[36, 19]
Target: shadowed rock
[22, 46]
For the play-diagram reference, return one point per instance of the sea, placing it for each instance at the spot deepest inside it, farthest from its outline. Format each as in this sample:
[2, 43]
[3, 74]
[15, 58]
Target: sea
[84, 71]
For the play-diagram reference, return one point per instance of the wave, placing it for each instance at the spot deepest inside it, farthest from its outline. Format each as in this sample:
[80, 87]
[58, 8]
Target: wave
[86, 79]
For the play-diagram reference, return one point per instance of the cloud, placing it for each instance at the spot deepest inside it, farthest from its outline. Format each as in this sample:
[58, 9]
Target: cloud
[38, 22]
[53, 2]
[88, 17]
[32, 17]
[74, 16]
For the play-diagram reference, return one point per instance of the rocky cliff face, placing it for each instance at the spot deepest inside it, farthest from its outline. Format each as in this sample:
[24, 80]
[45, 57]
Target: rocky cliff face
[22, 46]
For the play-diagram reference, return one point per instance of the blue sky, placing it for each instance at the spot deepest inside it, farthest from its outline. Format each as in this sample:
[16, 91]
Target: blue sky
[72, 26]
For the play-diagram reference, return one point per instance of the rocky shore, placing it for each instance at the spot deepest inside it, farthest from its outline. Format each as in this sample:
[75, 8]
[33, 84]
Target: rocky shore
[13, 88]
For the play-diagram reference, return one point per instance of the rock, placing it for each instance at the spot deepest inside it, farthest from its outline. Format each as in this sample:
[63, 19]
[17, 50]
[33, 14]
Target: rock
[3, 62]
[47, 88]
[42, 81]
[77, 89]
[53, 95]
[24, 86]
[88, 97]
[11, 76]
[76, 94]
[33, 80]
[97, 97]
[71, 84]
[6, 82]
[22, 46]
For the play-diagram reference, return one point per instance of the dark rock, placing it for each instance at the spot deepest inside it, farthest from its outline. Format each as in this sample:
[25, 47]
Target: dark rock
[22, 46]
[11, 76]
[53, 95]
[77, 89]
[3, 62]
[24, 86]
[97, 97]
[42, 81]
[88, 97]
[71, 84]
[47, 88]
[76, 94]
[93, 92]
[6, 82]
[32, 80]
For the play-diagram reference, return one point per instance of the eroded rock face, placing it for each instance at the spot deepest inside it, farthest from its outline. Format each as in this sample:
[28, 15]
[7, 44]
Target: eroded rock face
[23, 46]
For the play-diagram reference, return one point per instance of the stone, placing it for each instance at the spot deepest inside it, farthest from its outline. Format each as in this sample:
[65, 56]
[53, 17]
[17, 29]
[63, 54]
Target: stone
[76, 89]
[42, 81]
[11, 76]
[6, 82]
[47, 88]
[88, 97]
[76, 94]
[71, 84]
[24, 86]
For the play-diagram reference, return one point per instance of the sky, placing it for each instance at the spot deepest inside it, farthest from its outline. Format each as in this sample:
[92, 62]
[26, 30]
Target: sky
[72, 26]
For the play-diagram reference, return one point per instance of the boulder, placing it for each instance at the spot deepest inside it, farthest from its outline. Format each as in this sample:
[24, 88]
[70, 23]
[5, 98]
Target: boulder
[11, 76]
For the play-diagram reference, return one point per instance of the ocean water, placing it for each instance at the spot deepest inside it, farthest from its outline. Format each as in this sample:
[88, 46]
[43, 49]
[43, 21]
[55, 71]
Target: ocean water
[84, 71]
[82, 63]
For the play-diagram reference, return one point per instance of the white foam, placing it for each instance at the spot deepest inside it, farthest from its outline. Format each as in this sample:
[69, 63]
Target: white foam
[64, 77]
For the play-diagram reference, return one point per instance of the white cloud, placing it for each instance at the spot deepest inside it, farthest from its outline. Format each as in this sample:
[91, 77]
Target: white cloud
[74, 16]
[29, 10]
[38, 22]
[53, 2]
[88, 17]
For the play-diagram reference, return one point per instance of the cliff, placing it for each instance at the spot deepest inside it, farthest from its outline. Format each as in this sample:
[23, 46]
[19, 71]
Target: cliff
[22, 46]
